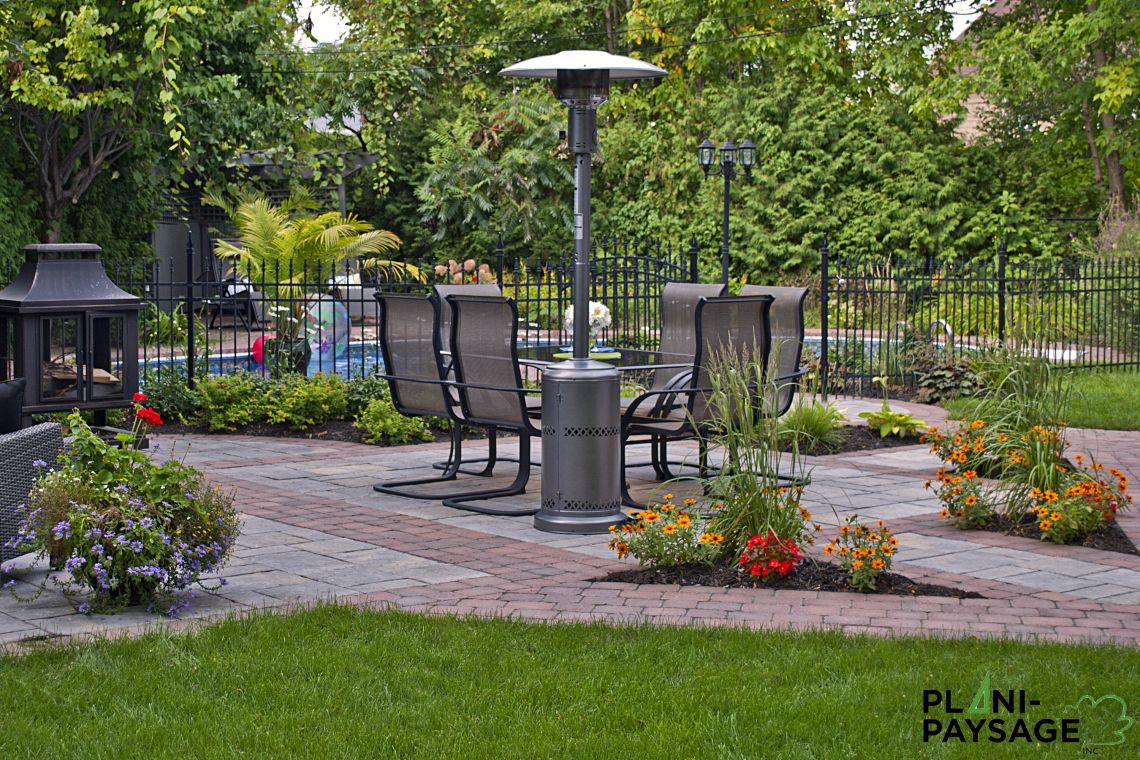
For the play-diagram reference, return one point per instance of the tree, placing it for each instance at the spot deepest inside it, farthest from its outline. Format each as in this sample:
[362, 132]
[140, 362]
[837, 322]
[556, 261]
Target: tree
[498, 170]
[1065, 72]
[89, 85]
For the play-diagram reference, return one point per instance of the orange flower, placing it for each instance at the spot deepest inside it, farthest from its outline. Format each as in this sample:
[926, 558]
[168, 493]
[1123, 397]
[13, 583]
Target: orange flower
[684, 521]
[649, 516]
[669, 529]
[971, 500]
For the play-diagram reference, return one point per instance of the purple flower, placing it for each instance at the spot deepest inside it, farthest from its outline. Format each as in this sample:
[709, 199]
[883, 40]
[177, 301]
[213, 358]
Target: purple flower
[122, 488]
[137, 546]
[74, 563]
[98, 550]
[39, 463]
[84, 608]
[61, 530]
[8, 585]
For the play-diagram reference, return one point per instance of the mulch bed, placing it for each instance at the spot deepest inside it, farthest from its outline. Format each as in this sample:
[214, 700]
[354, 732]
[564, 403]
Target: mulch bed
[809, 576]
[1110, 538]
[860, 438]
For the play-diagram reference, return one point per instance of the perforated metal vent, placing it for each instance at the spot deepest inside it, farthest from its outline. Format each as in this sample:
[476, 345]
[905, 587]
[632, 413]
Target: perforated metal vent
[577, 505]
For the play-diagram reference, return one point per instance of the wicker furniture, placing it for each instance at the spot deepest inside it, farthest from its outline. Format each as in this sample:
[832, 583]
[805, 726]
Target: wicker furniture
[18, 452]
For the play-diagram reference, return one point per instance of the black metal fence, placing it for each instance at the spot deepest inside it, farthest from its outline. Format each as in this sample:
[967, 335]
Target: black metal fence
[217, 320]
[890, 315]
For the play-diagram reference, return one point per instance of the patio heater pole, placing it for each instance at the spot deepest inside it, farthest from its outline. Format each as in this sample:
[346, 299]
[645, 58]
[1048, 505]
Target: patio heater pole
[581, 425]
[582, 130]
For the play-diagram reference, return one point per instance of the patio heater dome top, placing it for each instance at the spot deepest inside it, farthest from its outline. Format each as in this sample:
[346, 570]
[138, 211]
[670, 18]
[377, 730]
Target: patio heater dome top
[548, 66]
[67, 276]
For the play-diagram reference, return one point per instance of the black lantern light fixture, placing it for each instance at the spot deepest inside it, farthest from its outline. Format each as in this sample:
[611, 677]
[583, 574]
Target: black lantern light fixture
[730, 156]
[70, 332]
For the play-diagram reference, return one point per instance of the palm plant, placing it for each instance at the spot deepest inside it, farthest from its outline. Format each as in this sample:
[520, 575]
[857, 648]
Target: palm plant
[285, 249]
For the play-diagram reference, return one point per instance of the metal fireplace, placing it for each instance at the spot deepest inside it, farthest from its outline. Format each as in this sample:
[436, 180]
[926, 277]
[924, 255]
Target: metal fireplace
[69, 331]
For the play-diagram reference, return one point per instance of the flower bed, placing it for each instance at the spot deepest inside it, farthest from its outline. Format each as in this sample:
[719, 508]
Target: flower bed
[995, 476]
[124, 529]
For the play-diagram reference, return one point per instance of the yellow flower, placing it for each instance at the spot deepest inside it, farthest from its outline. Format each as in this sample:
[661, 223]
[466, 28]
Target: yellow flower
[690, 502]
[978, 424]
[668, 497]
[829, 549]
[649, 516]
[877, 563]
[944, 513]
[1045, 525]
[971, 500]
[613, 528]
[842, 551]
[857, 564]
[1055, 516]
[684, 521]
[669, 529]
[970, 474]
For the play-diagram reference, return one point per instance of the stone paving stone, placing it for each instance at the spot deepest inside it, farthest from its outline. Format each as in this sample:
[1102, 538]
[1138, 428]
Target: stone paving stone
[1119, 576]
[1052, 581]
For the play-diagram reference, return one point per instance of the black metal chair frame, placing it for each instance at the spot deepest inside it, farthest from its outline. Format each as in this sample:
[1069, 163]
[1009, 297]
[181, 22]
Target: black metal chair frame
[524, 426]
[670, 401]
[452, 467]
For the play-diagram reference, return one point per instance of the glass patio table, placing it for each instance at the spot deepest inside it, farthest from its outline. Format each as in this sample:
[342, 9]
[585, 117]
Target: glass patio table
[625, 359]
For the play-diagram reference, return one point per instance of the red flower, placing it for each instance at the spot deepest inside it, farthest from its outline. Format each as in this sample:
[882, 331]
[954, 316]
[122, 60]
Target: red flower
[756, 569]
[149, 416]
[140, 396]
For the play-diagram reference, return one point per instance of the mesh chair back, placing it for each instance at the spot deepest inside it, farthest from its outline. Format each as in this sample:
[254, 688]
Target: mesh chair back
[409, 344]
[728, 329]
[787, 320]
[679, 326]
[484, 354]
[445, 316]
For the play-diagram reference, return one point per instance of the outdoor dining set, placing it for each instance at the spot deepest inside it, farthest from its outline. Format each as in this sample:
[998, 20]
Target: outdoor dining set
[455, 354]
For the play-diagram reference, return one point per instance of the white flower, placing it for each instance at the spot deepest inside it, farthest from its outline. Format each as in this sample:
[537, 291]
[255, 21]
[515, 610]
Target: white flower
[599, 317]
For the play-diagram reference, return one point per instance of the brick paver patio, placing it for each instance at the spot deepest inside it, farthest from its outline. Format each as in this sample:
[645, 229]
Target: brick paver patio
[314, 529]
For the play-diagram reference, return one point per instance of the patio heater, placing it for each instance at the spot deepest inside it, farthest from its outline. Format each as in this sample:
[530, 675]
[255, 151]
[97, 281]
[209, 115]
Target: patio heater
[581, 429]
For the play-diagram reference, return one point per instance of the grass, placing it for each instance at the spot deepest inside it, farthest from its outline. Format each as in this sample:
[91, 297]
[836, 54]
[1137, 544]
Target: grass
[1107, 400]
[343, 682]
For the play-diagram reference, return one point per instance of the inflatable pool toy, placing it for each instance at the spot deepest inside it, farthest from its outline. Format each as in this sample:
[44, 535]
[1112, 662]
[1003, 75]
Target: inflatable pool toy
[328, 328]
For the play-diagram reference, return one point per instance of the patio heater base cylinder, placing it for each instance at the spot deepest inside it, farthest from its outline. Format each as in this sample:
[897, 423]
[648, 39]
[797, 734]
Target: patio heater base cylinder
[581, 448]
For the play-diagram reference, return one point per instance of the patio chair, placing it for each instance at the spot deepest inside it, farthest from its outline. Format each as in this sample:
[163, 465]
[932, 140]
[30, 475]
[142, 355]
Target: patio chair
[481, 290]
[787, 320]
[18, 451]
[228, 294]
[681, 411]
[409, 344]
[489, 383]
[678, 346]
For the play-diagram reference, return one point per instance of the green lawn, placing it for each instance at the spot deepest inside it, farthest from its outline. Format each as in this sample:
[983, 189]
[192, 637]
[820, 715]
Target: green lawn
[336, 682]
[1108, 400]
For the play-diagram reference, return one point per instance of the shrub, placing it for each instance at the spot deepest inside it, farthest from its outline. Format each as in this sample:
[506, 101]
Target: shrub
[359, 391]
[769, 555]
[304, 402]
[232, 401]
[812, 426]
[126, 529]
[667, 536]
[863, 553]
[889, 422]
[381, 423]
[172, 397]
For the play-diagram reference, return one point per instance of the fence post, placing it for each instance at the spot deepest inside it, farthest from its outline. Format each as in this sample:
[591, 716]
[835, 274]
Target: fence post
[693, 275]
[190, 348]
[499, 261]
[1001, 292]
[823, 299]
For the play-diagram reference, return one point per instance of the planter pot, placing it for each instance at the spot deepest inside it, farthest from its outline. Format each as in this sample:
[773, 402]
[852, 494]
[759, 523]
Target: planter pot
[283, 357]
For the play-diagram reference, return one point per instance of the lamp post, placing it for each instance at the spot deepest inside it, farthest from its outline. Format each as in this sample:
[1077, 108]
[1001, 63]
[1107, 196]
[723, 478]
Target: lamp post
[729, 155]
[581, 440]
